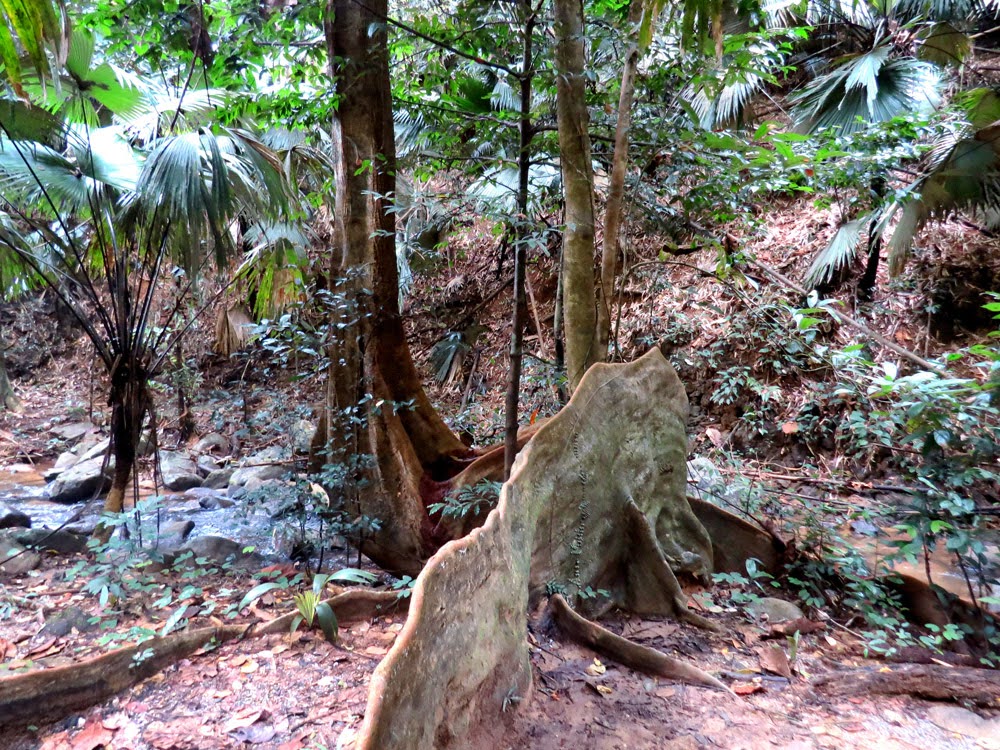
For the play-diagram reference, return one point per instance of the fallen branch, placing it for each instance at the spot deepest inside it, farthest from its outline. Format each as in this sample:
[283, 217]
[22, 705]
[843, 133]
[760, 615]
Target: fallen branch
[846, 319]
[930, 681]
[628, 653]
[48, 694]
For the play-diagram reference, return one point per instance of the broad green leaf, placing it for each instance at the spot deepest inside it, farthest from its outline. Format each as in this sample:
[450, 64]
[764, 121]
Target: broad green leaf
[257, 592]
[327, 621]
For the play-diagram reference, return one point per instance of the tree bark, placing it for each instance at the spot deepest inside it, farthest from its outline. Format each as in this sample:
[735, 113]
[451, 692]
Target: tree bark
[8, 399]
[380, 421]
[521, 231]
[582, 341]
[616, 186]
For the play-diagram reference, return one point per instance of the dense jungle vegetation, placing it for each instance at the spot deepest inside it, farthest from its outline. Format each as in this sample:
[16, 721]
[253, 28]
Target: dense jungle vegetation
[487, 336]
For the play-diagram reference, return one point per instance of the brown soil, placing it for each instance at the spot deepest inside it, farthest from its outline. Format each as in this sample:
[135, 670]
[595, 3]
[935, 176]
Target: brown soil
[286, 692]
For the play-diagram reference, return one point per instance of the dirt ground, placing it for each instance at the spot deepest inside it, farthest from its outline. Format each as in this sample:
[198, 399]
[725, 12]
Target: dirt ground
[286, 692]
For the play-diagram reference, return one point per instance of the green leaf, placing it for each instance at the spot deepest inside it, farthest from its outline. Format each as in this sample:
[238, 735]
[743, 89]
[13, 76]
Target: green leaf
[257, 592]
[354, 575]
[175, 618]
[327, 621]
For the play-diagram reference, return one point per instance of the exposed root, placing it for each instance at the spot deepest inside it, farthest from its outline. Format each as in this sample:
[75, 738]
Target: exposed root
[929, 681]
[640, 658]
[53, 693]
[650, 577]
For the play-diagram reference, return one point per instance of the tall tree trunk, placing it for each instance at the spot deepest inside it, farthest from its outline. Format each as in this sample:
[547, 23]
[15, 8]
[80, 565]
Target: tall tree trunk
[582, 345]
[8, 399]
[521, 231]
[616, 187]
[379, 419]
[866, 286]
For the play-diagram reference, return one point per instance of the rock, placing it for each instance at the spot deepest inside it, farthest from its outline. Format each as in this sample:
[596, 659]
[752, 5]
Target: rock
[61, 622]
[60, 541]
[82, 481]
[97, 449]
[85, 526]
[267, 464]
[10, 518]
[65, 461]
[217, 502]
[302, 433]
[707, 483]
[179, 472]
[206, 465]
[15, 560]
[776, 610]
[215, 549]
[218, 479]
[963, 721]
[212, 442]
[73, 430]
[173, 534]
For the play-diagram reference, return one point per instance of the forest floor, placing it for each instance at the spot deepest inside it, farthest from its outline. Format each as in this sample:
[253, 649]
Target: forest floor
[300, 691]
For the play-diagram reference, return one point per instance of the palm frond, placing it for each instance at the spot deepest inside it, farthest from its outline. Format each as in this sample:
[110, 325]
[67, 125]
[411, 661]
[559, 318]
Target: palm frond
[944, 45]
[32, 27]
[866, 88]
[838, 254]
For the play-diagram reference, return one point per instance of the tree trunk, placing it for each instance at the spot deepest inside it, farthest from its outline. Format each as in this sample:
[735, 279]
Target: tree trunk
[616, 186]
[521, 231]
[380, 421]
[582, 343]
[866, 287]
[8, 399]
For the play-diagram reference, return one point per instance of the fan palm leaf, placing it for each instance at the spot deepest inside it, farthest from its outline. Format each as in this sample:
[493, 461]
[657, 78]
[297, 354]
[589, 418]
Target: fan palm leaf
[838, 254]
[866, 88]
[33, 27]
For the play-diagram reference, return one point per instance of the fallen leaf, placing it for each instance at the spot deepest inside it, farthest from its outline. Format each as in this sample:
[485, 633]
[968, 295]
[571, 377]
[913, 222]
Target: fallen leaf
[245, 718]
[747, 688]
[250, 667]
[92, 736]
[596, 668]
[774, 659]
[714, 436]
[376, 651]
[790, 428]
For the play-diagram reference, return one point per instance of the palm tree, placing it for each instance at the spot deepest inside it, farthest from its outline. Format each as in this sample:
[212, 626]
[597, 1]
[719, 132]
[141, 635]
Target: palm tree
[116, 198]
[890, 62]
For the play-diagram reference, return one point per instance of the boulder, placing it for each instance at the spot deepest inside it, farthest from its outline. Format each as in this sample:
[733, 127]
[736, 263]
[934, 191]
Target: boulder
[11, 518]
[15, 558]
[775, 610]
[302, 432]
[82, 481]
[59, 541]
[211, 443]
[270, 463]
[206, 465]
[218, 479]
[215, 550]
[62, 621]
[73, 430]
[65, 461]
[94, 450]
[179, 472]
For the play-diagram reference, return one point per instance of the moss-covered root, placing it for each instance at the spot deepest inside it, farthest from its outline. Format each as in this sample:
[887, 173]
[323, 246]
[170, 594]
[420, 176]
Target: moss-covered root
[614, 647]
